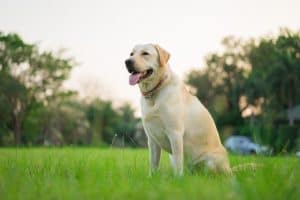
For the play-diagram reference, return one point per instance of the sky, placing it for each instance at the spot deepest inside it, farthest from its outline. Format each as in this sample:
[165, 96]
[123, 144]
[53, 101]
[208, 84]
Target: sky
[100, 34]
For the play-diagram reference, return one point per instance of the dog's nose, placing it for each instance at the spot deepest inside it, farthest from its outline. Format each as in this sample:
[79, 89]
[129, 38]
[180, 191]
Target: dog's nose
[129, 65]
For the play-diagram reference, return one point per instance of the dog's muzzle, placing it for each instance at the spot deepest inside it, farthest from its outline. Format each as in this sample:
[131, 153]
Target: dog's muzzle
[130, 65]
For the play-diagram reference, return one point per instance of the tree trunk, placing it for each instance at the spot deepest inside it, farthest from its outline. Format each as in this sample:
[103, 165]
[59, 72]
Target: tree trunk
[290, 115]
[18, 114]
[17, 131]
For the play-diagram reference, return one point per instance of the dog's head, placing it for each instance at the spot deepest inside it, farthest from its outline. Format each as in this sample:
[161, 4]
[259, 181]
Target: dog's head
[146, 62]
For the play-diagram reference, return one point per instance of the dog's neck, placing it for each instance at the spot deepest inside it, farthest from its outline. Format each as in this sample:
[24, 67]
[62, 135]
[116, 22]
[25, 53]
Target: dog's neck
[151, 87]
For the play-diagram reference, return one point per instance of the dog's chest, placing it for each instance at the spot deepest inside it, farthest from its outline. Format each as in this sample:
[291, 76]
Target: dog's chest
[156, 130]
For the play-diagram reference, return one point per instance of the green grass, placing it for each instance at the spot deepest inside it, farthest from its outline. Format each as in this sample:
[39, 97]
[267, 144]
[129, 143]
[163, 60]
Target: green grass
[91, 173]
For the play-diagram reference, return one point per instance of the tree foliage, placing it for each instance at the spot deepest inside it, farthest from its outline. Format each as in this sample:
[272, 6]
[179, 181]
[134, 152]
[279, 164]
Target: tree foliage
[248, 87]
[222, 82]
[276, 70]
[36, 109]
[259, 75]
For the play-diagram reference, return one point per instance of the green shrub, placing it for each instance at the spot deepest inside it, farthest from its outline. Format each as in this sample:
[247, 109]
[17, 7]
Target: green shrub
[286, 138]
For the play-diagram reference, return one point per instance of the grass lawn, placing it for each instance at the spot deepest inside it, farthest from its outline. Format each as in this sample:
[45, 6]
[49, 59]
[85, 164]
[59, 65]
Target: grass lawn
[94, 173]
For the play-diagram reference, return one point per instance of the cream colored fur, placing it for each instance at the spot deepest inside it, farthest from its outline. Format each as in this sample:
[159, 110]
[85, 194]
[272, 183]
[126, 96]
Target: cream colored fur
[174, 120]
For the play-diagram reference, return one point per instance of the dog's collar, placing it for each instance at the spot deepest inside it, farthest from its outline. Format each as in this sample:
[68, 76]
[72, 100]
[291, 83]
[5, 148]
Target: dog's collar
[150, 93]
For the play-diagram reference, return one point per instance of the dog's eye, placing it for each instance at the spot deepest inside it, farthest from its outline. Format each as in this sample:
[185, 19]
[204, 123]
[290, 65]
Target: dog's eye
[145, 53]
[131, 54]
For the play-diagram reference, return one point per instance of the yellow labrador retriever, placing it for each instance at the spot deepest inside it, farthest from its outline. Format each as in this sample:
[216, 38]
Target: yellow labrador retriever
[173, 119]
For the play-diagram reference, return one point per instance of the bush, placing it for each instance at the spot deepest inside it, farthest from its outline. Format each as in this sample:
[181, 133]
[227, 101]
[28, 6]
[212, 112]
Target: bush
[286, 138]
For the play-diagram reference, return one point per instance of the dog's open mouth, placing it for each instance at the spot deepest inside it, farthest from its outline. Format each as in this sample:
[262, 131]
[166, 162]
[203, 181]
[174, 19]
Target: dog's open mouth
[136, 77]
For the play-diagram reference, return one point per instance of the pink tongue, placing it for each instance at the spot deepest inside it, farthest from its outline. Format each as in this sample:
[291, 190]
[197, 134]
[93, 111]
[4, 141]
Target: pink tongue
[134, 78]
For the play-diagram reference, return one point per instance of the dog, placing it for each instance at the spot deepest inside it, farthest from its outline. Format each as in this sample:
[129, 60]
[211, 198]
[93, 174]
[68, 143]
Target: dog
[174, 120]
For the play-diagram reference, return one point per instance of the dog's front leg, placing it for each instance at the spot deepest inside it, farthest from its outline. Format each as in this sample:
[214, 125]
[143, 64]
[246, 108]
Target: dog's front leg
[154, 155]
[176, 141]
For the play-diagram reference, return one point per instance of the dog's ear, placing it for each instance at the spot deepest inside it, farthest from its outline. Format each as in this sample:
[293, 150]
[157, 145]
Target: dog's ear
[163, 55]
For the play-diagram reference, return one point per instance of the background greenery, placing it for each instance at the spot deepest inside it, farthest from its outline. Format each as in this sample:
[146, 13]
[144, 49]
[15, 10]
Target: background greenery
[250, 87]
[260, 76]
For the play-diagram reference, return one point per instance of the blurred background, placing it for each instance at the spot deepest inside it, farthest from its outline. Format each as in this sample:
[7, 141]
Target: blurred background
[63, 79]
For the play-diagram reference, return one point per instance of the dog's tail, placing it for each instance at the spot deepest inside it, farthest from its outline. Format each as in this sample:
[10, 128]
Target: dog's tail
[246, 167]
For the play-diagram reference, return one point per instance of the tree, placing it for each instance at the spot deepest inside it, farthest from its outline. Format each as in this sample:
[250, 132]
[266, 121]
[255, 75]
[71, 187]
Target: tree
[221, 84]
[127, 124]
[12, 96]
[13, 54]
[260, 75]
[28, 76]
[103, 119]
[36, 109]
[275, 74]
